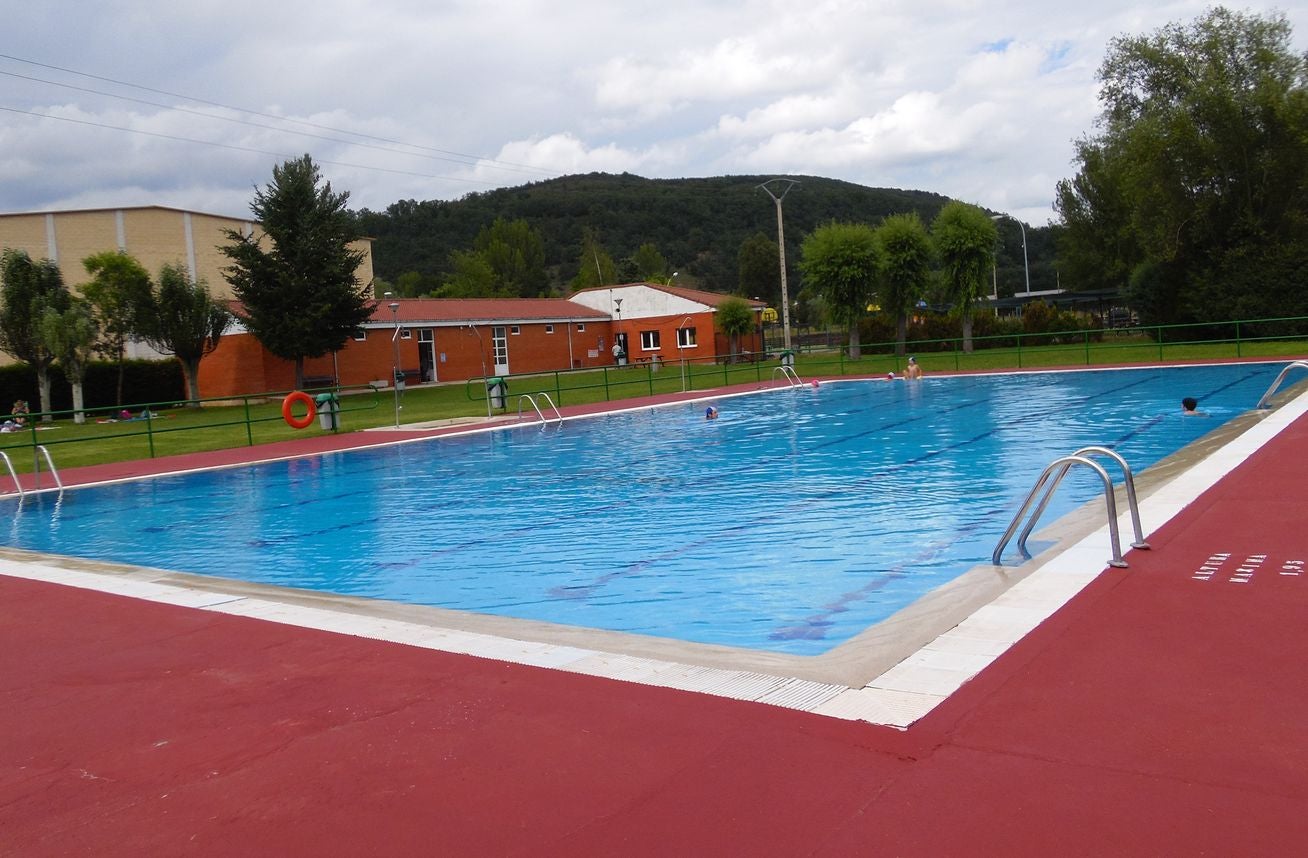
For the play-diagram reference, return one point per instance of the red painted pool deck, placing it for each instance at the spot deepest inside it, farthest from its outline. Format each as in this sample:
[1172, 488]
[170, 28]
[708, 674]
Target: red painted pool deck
[1160, 712]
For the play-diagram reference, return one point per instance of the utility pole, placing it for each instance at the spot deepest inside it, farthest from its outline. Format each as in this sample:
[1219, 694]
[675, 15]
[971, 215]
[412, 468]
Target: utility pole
[781, 248]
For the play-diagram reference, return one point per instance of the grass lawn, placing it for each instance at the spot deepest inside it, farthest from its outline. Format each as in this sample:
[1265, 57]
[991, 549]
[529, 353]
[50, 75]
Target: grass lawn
[258, 420]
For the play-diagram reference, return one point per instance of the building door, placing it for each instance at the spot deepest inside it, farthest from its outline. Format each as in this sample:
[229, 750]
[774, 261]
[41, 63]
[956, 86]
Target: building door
[427, 354]
[500, 347]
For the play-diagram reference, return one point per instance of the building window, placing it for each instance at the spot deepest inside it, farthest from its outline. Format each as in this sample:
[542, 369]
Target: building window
[685, 338]
[549, 329]
[360, 335]
[649, 340]
[581, 326]
[406, 334]
[515, 329]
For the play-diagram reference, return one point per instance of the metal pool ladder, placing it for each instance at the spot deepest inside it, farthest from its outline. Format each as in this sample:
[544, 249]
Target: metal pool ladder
[789, 374]
[49, 463]
[530, 397]
[1299, 364]
[1052, 476]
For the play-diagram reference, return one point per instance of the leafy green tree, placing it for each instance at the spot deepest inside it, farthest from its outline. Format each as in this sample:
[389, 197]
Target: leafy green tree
[118, 291]
[298, 282]
[71, 336]
[27, 290]
[905, 251]
[1198, 173]
[965, 238]
[183, 320]
[650, 264]
[841, 261]
[759, 264]
[514, 255]
[734, 317]
[472, 277]
[594, 265]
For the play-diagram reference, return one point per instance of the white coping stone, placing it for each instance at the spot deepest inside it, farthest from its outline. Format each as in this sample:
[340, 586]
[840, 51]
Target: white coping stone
[897, 698]
[879, 706]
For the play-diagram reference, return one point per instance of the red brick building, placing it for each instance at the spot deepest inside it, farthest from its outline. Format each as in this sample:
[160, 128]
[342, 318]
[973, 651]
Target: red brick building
[449, 339]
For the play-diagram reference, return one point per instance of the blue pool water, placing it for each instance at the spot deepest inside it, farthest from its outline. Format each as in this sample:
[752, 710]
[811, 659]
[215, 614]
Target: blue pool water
[790, 524]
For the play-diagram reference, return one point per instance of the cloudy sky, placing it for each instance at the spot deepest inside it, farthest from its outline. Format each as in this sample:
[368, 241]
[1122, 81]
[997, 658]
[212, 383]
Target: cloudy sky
[191, 104]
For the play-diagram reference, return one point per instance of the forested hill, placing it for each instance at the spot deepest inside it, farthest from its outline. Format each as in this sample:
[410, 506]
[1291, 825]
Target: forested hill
[698, 225]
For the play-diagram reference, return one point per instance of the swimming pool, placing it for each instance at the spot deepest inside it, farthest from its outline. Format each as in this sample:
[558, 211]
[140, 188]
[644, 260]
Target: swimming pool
[792, 523]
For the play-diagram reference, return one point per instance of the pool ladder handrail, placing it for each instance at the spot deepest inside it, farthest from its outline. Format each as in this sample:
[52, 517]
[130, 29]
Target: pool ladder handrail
[789, 374]
[530, 397]
[43, 452]
[1299, 364]
[12, 473]
[1053, 475]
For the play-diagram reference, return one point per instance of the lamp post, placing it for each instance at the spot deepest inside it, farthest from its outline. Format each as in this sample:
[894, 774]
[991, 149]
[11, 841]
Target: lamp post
[681, 350]
[1026, 268]
[481, 353]
[395, 357]
[781, 251]
[618, 348]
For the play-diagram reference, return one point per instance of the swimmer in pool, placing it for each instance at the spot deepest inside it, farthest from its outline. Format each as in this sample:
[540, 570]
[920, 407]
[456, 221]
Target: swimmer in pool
[1190, 406]
[912, 371]
[710, 413]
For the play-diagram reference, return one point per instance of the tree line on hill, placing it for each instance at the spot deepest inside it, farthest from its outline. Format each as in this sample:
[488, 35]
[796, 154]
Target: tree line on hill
[1191, 200]
[717, 234]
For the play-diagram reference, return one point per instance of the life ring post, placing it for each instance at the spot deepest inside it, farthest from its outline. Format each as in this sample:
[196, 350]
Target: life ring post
[288, 409]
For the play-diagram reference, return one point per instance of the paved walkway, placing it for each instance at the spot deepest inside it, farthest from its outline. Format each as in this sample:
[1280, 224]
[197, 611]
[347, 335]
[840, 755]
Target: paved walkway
[1160, 712]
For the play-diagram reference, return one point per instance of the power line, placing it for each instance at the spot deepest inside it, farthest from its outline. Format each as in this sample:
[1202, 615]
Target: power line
[237, 148]
[248, 123]
[479, 158]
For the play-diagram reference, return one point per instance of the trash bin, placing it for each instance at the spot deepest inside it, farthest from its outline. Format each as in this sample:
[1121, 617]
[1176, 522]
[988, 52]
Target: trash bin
[329, 405]
[497, 389]
[787, 357]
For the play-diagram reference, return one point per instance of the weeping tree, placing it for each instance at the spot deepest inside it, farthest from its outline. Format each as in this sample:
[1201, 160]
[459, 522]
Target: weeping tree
[905, 250]
[841, 261]
[965, 239]
[71, 336]
[184, 321]
[27, 290]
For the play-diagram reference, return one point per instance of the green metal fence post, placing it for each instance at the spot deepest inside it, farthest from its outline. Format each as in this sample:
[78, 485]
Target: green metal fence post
[1085, 336]
[558, 389]
[607, 397]
[1019, 351]
[149, 431]
[249, 430]
[1237, 339]
[649, 375]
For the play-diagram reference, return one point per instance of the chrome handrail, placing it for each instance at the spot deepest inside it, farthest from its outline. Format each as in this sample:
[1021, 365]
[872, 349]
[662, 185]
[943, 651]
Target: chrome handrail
[40, 448]
[1053, 475]
[10, 465]
[1299, 364]
[1128, 480]
[531, 398]
[789, 374]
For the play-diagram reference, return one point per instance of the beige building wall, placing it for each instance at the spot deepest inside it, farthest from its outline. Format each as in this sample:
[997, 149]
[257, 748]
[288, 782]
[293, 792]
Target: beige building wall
[155, 235]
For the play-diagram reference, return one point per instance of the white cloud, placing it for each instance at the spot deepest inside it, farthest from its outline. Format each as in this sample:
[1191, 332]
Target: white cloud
[977, 101]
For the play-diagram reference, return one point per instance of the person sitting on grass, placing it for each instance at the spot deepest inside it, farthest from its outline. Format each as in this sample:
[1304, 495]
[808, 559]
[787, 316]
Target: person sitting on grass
[19, 412]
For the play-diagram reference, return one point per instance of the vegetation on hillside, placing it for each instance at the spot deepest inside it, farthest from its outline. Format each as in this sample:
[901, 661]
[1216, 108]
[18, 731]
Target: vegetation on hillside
[697, 226]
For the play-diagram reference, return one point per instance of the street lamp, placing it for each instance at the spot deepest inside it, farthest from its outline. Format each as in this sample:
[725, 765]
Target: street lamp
[781, 250]
[481, 353]
[395, 357]
[1026, 268]
[618, 348]
[681, 350]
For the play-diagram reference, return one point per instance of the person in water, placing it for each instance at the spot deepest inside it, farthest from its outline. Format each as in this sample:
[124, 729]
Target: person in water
[711, 413]
[912, 371]
[1190, 405]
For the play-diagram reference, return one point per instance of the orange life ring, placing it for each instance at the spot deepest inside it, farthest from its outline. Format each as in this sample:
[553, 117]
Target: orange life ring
[290, 418]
